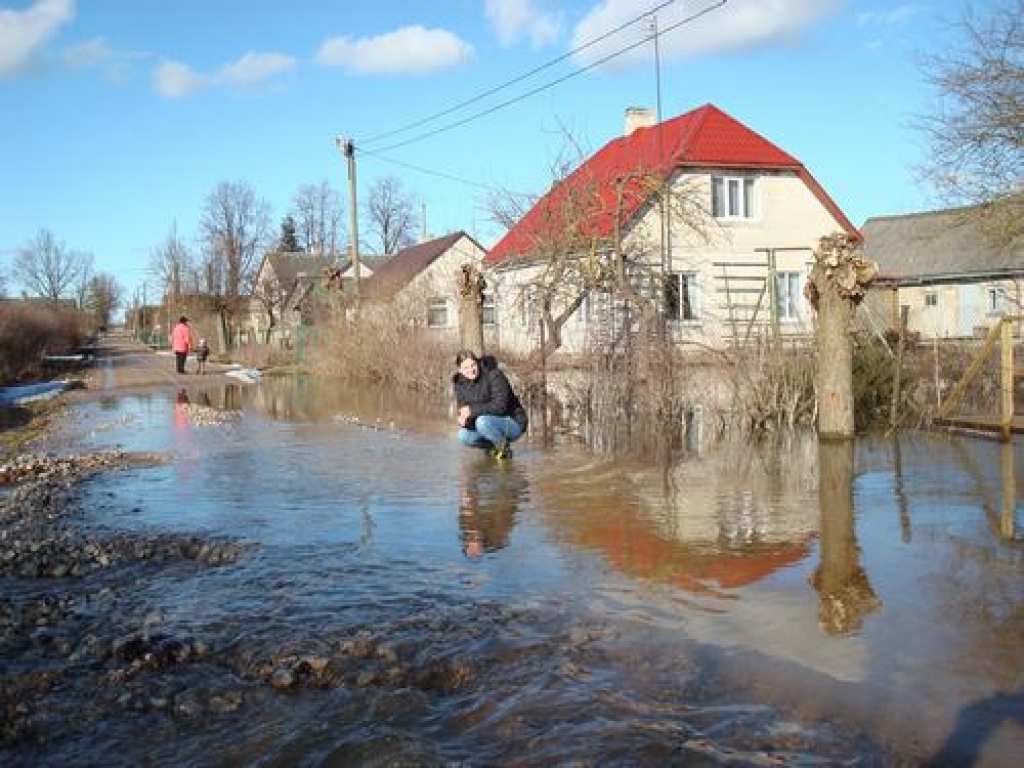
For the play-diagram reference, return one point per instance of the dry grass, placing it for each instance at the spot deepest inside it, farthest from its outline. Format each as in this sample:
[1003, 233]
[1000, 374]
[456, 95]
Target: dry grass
[28, 332]
[384, 351]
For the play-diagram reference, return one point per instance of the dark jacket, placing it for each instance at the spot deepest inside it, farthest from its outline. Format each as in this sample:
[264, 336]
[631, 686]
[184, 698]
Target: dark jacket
[490, 393]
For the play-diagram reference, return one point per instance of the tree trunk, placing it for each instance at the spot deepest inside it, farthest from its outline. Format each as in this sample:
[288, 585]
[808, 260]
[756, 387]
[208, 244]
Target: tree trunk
[471, 309]
[835, 363]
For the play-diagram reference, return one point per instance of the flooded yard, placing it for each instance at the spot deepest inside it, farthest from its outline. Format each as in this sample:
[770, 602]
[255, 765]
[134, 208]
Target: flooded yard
[384, 596]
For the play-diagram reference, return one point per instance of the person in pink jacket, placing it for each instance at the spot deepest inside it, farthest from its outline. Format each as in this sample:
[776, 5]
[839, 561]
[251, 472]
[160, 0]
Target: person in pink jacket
[181, 342]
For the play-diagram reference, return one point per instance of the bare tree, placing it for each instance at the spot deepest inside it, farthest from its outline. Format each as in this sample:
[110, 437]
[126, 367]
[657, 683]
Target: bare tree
[103, 296]
[976, 132]
[389, 210]
[318, 215]
[171, 262]
[48, 269]
[85, 274]
[234, 227]
[583, 246]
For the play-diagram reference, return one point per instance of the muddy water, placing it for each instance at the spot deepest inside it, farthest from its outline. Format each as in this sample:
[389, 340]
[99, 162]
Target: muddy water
[405, 601]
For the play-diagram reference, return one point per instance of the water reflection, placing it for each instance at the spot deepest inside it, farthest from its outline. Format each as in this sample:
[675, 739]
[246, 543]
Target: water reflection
[845, 596]
[489, 497]
[726, 520]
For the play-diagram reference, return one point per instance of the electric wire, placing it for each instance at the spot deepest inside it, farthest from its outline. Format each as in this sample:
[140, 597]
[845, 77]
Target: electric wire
[515, 80]
[546, 86]
[444, 175]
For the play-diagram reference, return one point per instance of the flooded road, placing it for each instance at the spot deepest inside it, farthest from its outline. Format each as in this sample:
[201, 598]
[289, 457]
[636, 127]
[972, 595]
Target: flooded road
[401, 600]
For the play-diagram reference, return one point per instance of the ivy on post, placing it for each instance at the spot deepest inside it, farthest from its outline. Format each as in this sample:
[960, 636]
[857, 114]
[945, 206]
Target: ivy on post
[471, 309]
[837, 284]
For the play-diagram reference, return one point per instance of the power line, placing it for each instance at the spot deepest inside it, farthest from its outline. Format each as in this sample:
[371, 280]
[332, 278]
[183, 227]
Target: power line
[548, 85]
[515, 80]
[442, 174]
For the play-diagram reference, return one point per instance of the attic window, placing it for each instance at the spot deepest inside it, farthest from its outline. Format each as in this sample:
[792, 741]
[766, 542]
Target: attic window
[732, 197]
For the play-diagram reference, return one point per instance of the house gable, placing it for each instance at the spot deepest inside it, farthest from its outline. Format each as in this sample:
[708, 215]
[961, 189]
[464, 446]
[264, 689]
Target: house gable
[401, 269]
[612, 187]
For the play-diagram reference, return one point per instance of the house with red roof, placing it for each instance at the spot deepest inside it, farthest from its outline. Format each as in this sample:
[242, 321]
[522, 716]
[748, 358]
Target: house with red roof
[418, 285]
[710, 221]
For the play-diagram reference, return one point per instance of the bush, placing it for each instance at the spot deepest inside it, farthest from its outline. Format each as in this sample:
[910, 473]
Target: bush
[385, 351]
[28, 332]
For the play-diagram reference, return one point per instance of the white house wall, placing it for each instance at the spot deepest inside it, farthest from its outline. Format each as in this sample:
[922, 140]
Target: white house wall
[789, 220]
[439, 280]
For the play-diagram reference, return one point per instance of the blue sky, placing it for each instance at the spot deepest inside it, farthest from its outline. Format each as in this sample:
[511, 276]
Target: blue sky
[119, 117]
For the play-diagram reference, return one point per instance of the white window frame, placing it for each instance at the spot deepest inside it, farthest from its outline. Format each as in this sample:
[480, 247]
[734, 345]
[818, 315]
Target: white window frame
[435, 305]
[692, 293]
[931, 299]
[489, 310]
[789, 299]
[733, 197]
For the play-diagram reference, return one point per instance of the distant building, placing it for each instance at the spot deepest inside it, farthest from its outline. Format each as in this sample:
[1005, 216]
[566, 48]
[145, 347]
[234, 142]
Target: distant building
[940, 265]
[418, 285]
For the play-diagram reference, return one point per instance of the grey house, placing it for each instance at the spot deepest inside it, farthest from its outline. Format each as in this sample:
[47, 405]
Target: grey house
[946, 270]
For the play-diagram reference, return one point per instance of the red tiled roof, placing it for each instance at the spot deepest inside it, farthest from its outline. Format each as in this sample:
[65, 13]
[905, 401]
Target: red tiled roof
[619, 175]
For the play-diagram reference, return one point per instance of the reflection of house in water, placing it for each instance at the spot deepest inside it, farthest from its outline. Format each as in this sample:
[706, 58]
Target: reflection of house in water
[725, 520]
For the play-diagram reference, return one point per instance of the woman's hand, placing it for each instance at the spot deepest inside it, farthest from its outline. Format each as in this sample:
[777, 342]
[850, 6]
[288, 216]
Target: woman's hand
[463, 415]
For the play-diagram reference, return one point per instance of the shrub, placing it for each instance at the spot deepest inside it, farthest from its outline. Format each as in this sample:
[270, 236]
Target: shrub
[28, 332]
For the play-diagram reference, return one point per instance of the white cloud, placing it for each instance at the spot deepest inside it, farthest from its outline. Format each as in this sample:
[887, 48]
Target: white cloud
[738, 25]
[174, 80]
[96, 54]
[23, 32]
[407, 50]
[255, 68]
[514, 19]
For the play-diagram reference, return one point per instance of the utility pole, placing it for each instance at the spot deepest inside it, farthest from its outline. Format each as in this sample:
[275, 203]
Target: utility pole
[348, 149]
[665, 207]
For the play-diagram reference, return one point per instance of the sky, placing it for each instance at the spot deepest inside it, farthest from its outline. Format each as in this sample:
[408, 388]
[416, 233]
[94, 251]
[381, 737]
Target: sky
[118, 118]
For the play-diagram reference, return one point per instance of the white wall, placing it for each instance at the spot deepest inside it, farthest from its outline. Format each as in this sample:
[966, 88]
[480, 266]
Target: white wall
[787, 224]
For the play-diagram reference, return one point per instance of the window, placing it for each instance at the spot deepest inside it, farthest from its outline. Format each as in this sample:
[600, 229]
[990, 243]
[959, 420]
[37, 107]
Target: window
[489, 313]
[931, 299]
[732, 197]
[437, 313]
[681, 296]
[787, 295]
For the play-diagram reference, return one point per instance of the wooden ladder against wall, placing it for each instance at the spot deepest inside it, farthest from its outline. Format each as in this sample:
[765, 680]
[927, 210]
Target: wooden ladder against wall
[1007, 422]
[744, 293]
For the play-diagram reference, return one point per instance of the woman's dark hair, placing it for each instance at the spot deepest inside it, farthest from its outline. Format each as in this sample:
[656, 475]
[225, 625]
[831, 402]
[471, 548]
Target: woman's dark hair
[182, 319]
[465, 354]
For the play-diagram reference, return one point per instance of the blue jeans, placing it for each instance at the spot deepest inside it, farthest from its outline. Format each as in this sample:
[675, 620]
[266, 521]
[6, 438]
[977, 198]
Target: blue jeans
[491, 431]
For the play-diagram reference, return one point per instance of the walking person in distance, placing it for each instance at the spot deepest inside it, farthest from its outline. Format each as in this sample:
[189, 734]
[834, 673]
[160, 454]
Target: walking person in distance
[181, 343]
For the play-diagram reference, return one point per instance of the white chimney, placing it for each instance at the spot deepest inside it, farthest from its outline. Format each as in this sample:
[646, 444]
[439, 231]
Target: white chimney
[638, 117]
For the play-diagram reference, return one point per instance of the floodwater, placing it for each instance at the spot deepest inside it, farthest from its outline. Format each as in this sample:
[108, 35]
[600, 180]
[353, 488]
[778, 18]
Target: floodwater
[756, 604]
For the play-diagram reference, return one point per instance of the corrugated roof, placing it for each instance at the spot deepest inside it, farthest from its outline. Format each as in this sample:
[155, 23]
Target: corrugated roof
[704, 138]
[937, 244]
[395, 273]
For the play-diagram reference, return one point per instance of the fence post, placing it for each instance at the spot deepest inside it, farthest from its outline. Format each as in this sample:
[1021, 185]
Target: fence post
[1006, 371]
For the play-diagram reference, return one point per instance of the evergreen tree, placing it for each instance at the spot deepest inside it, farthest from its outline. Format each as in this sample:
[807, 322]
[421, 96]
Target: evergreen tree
[288, 242]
